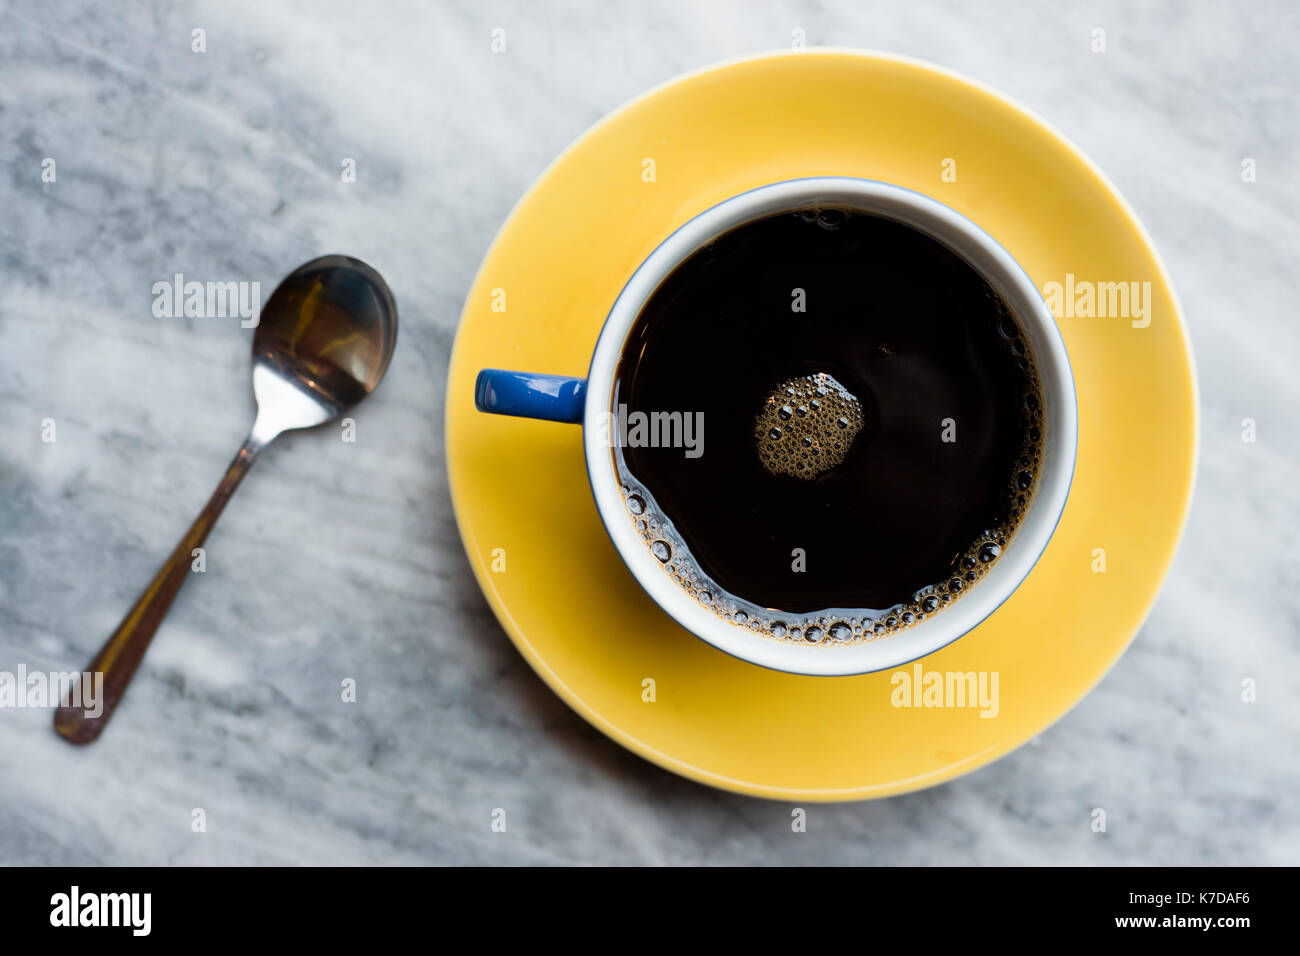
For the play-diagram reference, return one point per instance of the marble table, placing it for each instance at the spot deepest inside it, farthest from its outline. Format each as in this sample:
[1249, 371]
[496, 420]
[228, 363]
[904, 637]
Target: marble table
[341, 560]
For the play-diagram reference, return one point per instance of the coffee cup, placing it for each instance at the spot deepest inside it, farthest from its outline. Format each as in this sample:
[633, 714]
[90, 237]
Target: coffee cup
[591, 402]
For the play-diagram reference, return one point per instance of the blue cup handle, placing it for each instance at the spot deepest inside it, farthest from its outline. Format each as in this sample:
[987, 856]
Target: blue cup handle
[552, 398]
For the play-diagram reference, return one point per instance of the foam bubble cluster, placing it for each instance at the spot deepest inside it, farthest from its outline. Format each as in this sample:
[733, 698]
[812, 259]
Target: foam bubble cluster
[806, 426]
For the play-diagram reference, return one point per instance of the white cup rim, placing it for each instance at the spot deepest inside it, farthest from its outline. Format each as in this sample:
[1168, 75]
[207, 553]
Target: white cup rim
[1022, 552]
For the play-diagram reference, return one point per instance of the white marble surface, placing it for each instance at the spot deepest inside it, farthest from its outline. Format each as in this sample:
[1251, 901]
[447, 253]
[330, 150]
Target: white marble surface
[342, 559]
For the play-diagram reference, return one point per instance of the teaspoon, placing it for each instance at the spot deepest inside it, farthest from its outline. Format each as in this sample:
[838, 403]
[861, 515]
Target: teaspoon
[322, 344]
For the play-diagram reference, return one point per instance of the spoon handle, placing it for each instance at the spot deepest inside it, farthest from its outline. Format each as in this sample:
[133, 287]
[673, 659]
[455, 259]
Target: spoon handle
[122, 652]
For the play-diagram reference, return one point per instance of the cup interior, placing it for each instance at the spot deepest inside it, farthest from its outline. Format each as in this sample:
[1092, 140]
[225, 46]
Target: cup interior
[1060, 429]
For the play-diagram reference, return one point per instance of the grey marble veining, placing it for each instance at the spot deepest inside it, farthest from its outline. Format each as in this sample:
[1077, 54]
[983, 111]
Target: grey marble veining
[343, 560]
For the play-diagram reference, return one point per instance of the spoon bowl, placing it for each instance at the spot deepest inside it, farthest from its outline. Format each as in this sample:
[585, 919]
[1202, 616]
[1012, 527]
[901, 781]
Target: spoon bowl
[323, 343]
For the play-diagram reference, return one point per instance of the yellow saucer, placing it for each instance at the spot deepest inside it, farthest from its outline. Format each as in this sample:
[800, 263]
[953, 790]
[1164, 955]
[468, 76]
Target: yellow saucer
[520, 488]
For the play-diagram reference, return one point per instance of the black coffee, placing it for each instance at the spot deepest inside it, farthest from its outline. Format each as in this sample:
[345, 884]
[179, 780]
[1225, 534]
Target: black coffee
[871, 425]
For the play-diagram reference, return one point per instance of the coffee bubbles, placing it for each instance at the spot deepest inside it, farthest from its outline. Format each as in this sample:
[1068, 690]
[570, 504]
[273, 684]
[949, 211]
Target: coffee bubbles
[806, 426]
[829, 626]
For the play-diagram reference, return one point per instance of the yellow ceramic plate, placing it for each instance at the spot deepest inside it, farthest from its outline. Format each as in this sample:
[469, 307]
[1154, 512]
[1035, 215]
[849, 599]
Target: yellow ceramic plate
[520, 487]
